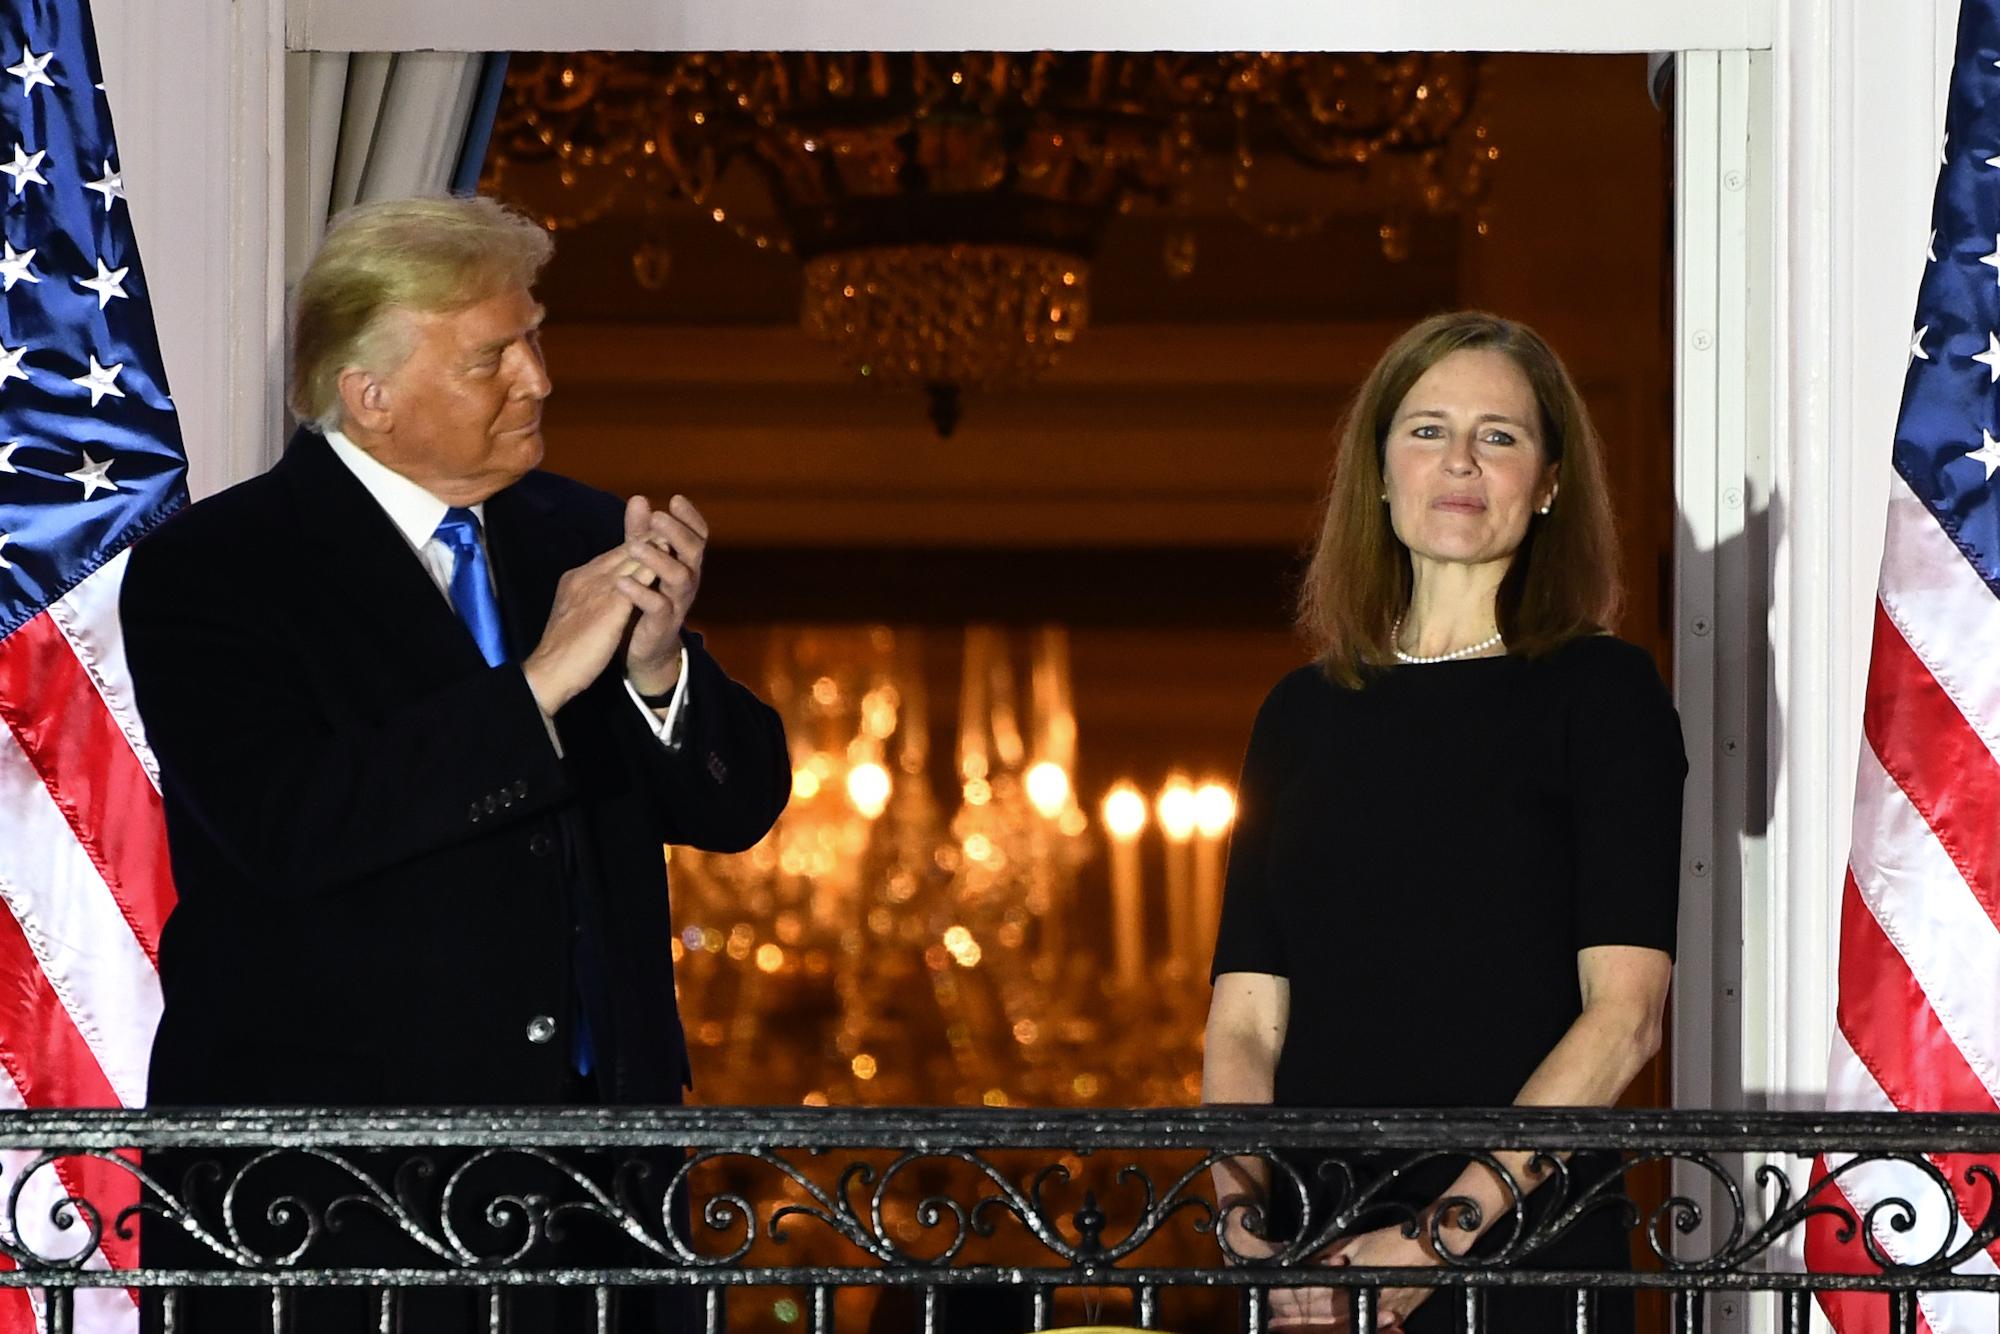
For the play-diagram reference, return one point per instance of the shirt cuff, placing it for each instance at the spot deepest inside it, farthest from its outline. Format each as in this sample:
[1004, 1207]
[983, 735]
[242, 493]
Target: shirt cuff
[548, 723]
[667, 728]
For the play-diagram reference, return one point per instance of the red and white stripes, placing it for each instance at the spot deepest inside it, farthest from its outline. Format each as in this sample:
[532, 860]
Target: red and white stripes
[1919, 977]
[85, 885]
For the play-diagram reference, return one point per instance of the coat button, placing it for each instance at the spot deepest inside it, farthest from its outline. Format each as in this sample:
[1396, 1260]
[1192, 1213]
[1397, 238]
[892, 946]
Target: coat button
[492, 803]
[521, 790]
[475, 812]
[541, 1030]
[541, 845]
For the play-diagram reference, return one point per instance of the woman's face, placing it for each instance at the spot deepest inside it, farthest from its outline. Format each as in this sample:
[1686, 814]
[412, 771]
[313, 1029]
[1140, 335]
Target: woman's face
[1464, 463]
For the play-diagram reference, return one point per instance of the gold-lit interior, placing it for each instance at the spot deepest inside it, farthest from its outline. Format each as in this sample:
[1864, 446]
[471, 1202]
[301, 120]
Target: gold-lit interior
[1018, 667]
[949, 936]
[946, 204]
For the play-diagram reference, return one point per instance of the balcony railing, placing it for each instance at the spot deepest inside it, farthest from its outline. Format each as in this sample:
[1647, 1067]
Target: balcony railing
[826, 1201]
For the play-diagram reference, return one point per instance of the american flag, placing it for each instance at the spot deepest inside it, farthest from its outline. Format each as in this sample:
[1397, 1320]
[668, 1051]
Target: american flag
[90, 459]
[1919, 977]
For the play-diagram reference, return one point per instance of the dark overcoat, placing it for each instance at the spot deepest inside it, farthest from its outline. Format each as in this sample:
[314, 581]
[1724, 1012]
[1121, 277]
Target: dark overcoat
[393, 891]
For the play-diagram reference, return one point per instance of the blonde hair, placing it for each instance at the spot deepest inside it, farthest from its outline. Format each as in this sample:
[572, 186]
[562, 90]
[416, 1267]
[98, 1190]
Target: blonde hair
[431, 255]
[1563, 580]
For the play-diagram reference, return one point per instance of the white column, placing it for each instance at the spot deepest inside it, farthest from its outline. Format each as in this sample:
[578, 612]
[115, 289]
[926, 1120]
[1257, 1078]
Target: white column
[1857, 99]
[195, 90]
[1858, 96]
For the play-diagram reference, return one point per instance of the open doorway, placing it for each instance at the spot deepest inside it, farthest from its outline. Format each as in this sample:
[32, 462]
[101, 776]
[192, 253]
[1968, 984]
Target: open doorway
[1150, 492]
[1147, 496]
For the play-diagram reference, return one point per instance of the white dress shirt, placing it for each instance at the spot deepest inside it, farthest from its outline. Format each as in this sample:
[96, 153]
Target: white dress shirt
[416, 513]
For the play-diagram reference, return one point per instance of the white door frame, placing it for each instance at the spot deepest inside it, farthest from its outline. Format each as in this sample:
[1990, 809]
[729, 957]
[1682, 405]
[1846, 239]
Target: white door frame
[1102, 25]
[1722, 379]
[1721, 658]
[1720, 478]
[235, 405]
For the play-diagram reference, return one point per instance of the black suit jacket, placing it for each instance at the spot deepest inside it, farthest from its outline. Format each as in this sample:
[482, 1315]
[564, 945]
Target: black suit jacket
[384, 869]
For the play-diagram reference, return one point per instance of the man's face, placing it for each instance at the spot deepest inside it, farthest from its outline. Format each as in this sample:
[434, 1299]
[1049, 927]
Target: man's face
[464, 410]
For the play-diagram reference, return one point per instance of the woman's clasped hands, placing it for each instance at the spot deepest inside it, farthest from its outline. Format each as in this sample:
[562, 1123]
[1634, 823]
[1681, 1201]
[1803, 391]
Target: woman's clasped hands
[1330, 1309]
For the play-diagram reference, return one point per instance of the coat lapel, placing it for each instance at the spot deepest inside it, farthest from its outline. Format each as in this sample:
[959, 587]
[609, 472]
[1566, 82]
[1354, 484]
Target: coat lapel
[529, 549]
[532, 542]
[374, 588]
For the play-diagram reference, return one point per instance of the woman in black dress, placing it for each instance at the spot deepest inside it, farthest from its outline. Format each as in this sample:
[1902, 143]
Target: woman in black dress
[1453, 878]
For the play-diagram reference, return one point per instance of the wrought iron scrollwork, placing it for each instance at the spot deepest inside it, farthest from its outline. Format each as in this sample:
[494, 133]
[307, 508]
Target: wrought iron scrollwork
[924, 1196]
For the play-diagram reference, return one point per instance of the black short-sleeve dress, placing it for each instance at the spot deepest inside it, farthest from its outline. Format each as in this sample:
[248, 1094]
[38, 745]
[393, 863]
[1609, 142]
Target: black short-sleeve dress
[1423, 857]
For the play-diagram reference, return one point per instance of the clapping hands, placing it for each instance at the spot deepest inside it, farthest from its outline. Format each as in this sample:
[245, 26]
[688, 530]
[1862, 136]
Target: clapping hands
[634, 597]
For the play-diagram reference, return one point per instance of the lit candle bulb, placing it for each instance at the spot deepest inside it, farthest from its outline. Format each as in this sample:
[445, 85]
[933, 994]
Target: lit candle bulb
[868, 788]
[1124, 819]
[1176, 809]
[1048, 788]
[1214, 812]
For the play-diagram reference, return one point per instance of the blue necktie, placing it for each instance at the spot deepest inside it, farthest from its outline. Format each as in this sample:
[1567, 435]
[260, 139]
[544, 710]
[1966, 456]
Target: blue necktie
[471, 590]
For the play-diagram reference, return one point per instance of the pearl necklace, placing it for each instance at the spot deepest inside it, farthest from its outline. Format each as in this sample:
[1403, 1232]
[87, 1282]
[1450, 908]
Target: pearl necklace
[1419, 659]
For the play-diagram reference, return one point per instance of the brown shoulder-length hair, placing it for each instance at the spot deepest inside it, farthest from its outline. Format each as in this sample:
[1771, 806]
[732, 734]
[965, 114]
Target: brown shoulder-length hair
[1563, 582]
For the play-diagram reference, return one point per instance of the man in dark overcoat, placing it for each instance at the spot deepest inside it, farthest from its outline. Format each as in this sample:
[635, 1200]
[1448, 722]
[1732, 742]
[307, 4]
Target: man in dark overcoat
[425, 716]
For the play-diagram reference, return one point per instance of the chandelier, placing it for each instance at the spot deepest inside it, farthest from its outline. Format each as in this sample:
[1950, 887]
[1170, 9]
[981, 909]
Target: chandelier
[946, 206]
[939, 916]
[942, 915]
